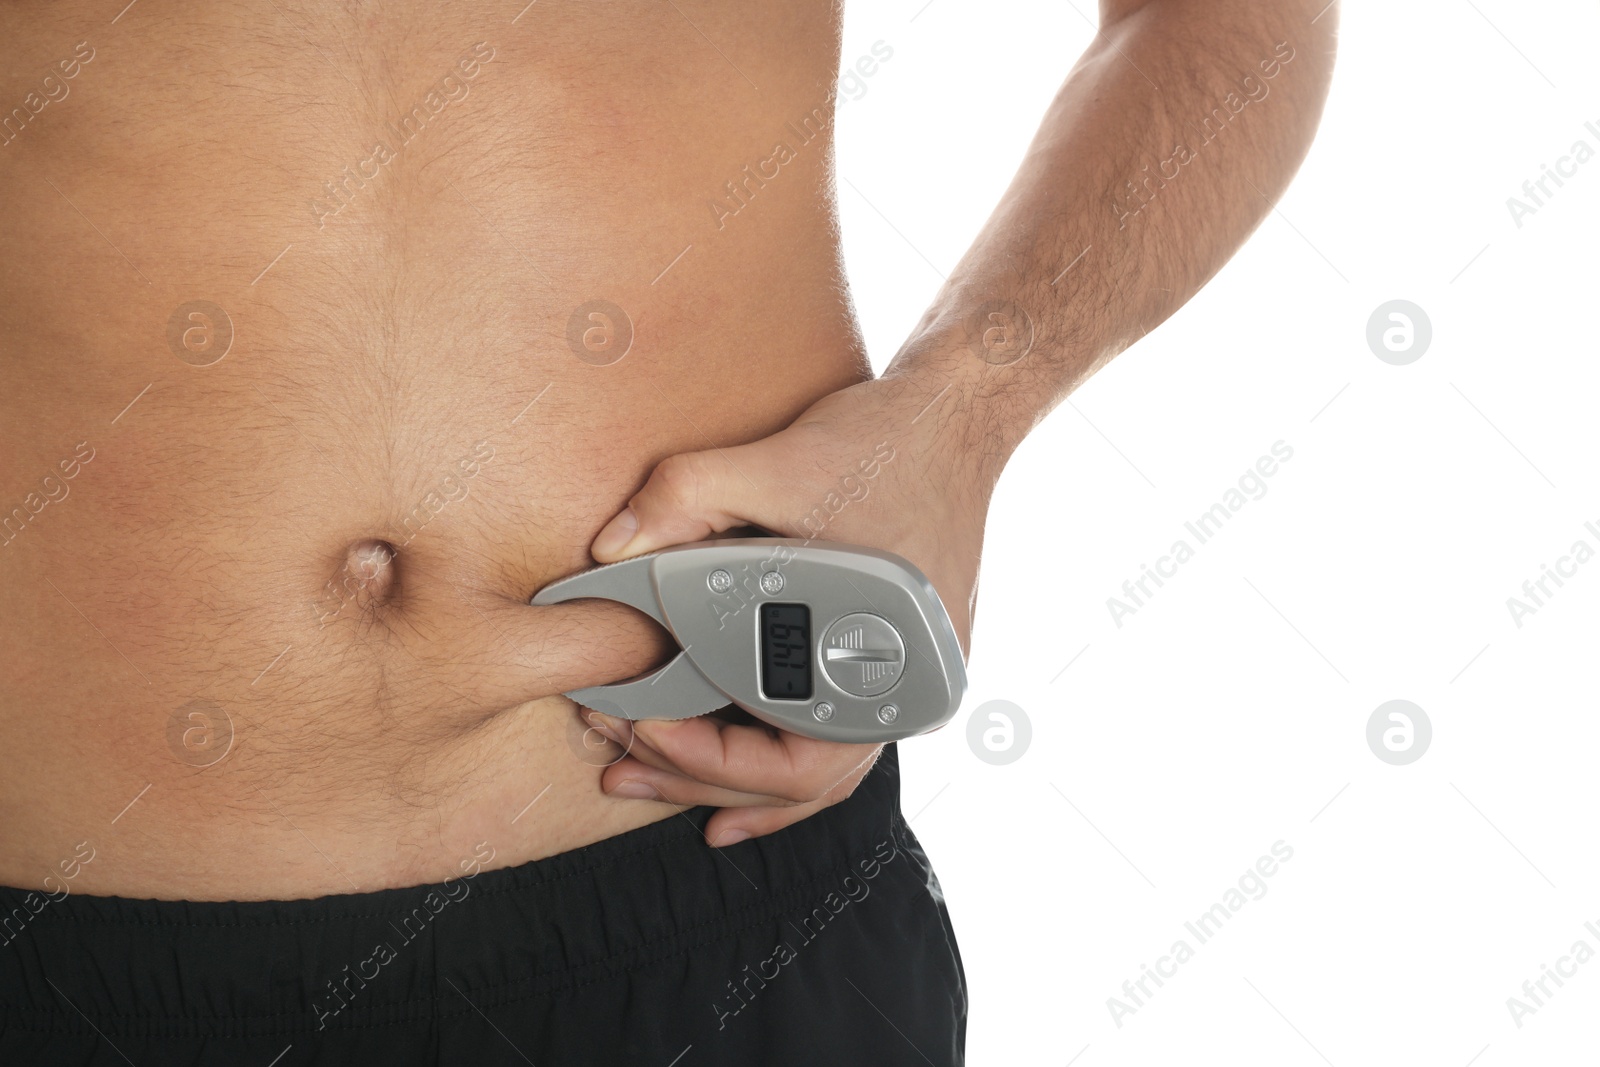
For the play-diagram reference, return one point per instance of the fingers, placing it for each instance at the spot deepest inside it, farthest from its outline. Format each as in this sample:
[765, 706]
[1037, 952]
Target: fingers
[762, 779]
[752, 759]
[649, 775]
[731, 825]
[741, 816]
[687, 498]
[633, 778]
[621, 732]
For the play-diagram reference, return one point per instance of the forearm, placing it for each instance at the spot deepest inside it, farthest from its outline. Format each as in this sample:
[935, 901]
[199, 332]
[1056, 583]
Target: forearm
[1163, 150]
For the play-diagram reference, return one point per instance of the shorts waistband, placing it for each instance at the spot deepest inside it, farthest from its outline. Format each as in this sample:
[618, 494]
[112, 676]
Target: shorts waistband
[541, 929]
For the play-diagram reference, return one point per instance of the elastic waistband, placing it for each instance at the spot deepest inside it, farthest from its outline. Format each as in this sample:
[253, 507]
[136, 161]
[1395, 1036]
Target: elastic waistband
[181, 968]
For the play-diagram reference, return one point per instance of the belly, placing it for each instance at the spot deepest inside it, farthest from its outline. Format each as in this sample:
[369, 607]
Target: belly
[331, 334]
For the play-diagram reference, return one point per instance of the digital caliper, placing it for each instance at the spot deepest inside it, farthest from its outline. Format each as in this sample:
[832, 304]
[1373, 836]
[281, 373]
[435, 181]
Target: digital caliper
[837, 642]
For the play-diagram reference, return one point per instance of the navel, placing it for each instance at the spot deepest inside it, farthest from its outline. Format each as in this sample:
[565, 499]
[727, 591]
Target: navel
[373, 562]
[367, 575]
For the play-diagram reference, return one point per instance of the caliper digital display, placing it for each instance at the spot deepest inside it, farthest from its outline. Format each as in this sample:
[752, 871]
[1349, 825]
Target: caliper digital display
[786, 651]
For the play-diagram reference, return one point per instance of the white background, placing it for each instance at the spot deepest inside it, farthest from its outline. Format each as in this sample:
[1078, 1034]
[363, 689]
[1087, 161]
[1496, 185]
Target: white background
[1230, 712]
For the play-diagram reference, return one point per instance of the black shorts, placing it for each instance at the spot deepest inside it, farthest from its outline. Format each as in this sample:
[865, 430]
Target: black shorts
[825, 943]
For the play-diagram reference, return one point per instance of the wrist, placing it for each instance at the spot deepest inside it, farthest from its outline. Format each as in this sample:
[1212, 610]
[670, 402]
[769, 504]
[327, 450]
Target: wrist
[966, 393]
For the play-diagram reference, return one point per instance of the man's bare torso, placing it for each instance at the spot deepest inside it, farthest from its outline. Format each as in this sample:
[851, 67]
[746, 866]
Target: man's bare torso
[418, 237]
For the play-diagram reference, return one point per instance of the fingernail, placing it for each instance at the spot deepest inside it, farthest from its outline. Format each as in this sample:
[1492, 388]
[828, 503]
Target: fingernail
[606, 726]
[653, 731]
[730, 837]
[618, 532]
[634, 790]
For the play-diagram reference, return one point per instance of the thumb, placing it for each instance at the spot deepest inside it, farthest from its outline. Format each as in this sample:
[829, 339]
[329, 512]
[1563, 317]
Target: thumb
[688, 497]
